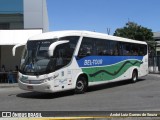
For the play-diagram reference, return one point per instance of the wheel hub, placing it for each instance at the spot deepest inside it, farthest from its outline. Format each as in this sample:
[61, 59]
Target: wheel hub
[80, 85]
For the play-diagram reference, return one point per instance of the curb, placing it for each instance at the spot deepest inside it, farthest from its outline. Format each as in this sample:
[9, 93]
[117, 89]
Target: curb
[156, 75]
[7, 85]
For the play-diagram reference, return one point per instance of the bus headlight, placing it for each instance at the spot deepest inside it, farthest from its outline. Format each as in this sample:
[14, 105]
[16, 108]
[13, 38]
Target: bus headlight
[43, 81]
[46, 80]
[50, 78]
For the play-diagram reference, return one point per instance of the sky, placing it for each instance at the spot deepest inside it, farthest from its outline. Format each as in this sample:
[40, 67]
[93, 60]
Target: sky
[100, 15]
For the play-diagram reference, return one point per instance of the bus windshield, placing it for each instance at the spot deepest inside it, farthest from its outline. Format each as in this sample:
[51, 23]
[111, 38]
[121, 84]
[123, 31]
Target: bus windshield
[36, 61]
[35, 57]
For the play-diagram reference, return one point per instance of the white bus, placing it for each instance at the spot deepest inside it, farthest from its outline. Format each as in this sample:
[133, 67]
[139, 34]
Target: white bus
[64, 60]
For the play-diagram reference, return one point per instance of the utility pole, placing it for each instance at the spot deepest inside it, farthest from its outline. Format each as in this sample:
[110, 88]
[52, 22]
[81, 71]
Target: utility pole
[108, 31]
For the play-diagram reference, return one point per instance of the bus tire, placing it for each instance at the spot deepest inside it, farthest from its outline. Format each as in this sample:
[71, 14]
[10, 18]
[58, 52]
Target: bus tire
[81, 85]
[134, 76]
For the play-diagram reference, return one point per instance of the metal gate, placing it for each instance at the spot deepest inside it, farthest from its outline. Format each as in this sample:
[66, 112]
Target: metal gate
[154, 64]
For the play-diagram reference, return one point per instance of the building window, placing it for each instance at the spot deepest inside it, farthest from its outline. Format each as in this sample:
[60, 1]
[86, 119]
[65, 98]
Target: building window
[4, 26]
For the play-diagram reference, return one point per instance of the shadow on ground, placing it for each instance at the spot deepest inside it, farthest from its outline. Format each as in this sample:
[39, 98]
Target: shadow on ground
[38, 95]
[112, 85]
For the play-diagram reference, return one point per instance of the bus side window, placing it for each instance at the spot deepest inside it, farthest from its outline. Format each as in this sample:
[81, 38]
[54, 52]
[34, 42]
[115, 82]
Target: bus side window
[62, 56]
[86, 48]
[114, 48]
[102, 47]
[142, 50]
[126, 49]
[135, 49]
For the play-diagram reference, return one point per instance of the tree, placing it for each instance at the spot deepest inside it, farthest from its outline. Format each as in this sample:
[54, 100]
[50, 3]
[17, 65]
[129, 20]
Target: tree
[137, 32]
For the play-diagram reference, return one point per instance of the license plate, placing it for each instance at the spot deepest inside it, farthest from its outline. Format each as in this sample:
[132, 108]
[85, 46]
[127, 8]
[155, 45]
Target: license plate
[30, 87]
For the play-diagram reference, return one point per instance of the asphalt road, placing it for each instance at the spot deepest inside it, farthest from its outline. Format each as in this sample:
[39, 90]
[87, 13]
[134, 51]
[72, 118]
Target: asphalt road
[119, 96]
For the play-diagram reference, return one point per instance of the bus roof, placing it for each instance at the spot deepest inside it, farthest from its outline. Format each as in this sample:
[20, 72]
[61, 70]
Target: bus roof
[58, 34]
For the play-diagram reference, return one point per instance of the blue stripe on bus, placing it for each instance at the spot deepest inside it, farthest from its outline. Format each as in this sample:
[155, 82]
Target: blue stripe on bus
[91, 61]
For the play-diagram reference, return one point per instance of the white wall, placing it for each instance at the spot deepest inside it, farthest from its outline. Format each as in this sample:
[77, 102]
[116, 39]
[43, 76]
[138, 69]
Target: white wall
[45, 17]
[35, 14]
[13, 37]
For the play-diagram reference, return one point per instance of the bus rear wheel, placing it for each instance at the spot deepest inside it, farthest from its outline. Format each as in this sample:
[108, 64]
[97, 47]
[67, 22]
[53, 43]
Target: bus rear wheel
[81, 85]
[134, 76]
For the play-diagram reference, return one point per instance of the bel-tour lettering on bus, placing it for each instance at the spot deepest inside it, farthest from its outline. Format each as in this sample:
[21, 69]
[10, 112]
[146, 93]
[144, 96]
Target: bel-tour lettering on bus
[93, 62]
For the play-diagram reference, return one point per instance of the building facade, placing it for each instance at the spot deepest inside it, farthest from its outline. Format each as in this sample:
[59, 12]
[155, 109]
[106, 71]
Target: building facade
[156, 36]
[154, 59]
[19, 20]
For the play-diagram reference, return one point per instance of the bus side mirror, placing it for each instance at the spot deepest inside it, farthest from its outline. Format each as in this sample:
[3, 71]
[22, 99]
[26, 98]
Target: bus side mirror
[15, 47]
[53, 46]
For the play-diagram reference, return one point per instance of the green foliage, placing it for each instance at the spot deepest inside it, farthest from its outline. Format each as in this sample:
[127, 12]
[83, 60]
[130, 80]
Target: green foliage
[134, 31]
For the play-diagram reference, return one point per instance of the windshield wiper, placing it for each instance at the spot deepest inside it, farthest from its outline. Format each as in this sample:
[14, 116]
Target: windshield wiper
[37, 73]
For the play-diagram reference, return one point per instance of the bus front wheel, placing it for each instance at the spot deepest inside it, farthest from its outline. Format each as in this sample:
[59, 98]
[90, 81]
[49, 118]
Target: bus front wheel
[134, 76]
[81, 85]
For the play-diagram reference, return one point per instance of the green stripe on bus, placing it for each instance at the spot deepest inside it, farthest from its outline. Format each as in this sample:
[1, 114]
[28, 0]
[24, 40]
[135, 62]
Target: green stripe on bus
[110, 72]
